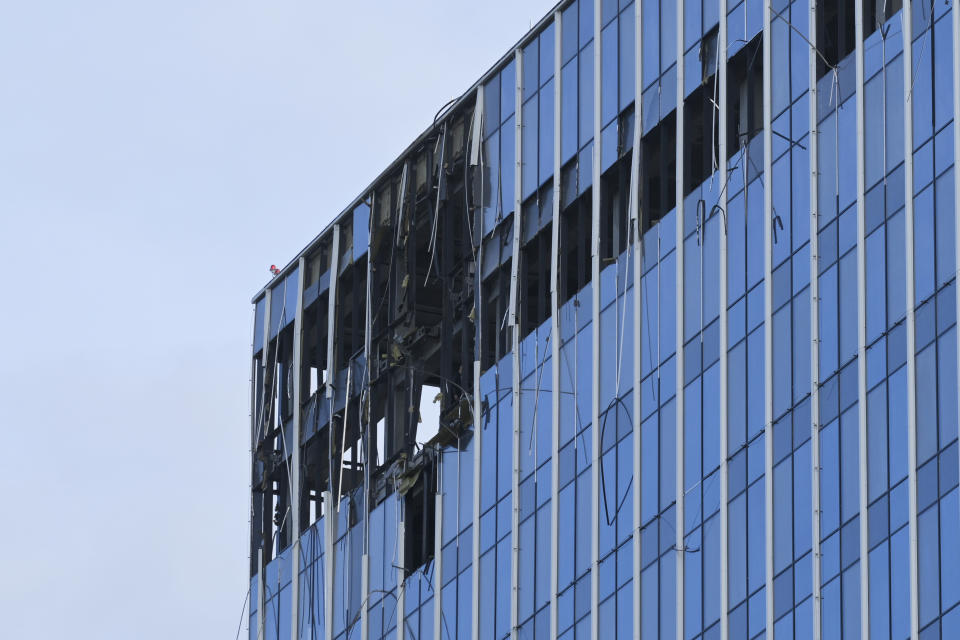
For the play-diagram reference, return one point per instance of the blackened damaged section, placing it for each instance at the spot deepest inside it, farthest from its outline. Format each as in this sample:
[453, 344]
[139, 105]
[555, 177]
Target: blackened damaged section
[388, 312]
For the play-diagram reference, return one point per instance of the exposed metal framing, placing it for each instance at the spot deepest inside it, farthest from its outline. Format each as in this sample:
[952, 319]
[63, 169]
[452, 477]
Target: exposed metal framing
[768, 311]
[330, 560]
[295, 457]
[636, 222]
[911, 320]
[595, 330]
[862, 327]
[515, 342]
[680, 369]
[814, 144]
[555, 328]
[724, 328]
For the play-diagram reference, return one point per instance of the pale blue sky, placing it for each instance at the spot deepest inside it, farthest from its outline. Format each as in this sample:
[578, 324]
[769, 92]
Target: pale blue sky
[155, 159]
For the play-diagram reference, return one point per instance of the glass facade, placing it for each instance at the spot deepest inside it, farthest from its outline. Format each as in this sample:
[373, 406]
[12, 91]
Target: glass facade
[652, 334]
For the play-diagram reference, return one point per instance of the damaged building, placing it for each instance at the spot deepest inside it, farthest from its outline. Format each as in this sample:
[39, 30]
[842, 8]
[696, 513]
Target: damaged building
[651, 334]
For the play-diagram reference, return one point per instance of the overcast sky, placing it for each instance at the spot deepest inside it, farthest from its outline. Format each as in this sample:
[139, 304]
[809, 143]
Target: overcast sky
[155, 158]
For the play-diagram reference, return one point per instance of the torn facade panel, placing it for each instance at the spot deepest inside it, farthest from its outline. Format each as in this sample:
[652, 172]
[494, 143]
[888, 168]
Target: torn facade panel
[553, 374]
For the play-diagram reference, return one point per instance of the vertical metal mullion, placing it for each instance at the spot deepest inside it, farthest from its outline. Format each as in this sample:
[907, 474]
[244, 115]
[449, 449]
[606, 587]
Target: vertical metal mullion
[253, 430]
[258, 426]
[475, 531]
[364, 597]
[438, 560]
[261, 604]
[680, 373]
[768, 310]
[595, 329]
[364, 395]
[637, 225]
[332, 318]
[401, 577]
[555, 329]
[477, 431]
[515, 342]
[330, 535]
[295, 462]
[910, 321]
[862, 327]
[814, 319]
[724, 325]
[956, 163]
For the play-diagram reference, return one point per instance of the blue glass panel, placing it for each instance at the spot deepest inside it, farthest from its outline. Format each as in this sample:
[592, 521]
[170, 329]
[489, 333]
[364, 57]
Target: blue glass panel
[947, 385]
[928, 565]
[921, 93]
[668, 340]
[924, 245]
[782, 396]
[548, 47]
[568, 112]
[893, 87]
[846, 148]
[546, 132]
[586, 94]
[848, 306]
[896, 267]
[873, 144]
[926, 404]
[609, 76]
[531, 69]
[361, 230]
[586, 21]
[508, 90]
[950, 549]
[851, 602]
[900, 584]
[667, 441]
[782, 517]
[259, 313]
[945, 235]
[756, 573]
[651, 40]
[756, 613]
[829, 478]
[803, 502]
[627, 52]
[801, 342]
[530, 174]
[737, 541]
[491, 105]
[849, 483]
[508, 155]
[827, 161]
[692, 585]
[491, 182]
[668, 36]
[667, 603]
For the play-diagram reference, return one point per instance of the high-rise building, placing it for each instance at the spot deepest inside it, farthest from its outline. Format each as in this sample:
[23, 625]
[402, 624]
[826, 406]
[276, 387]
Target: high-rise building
[630, 347]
